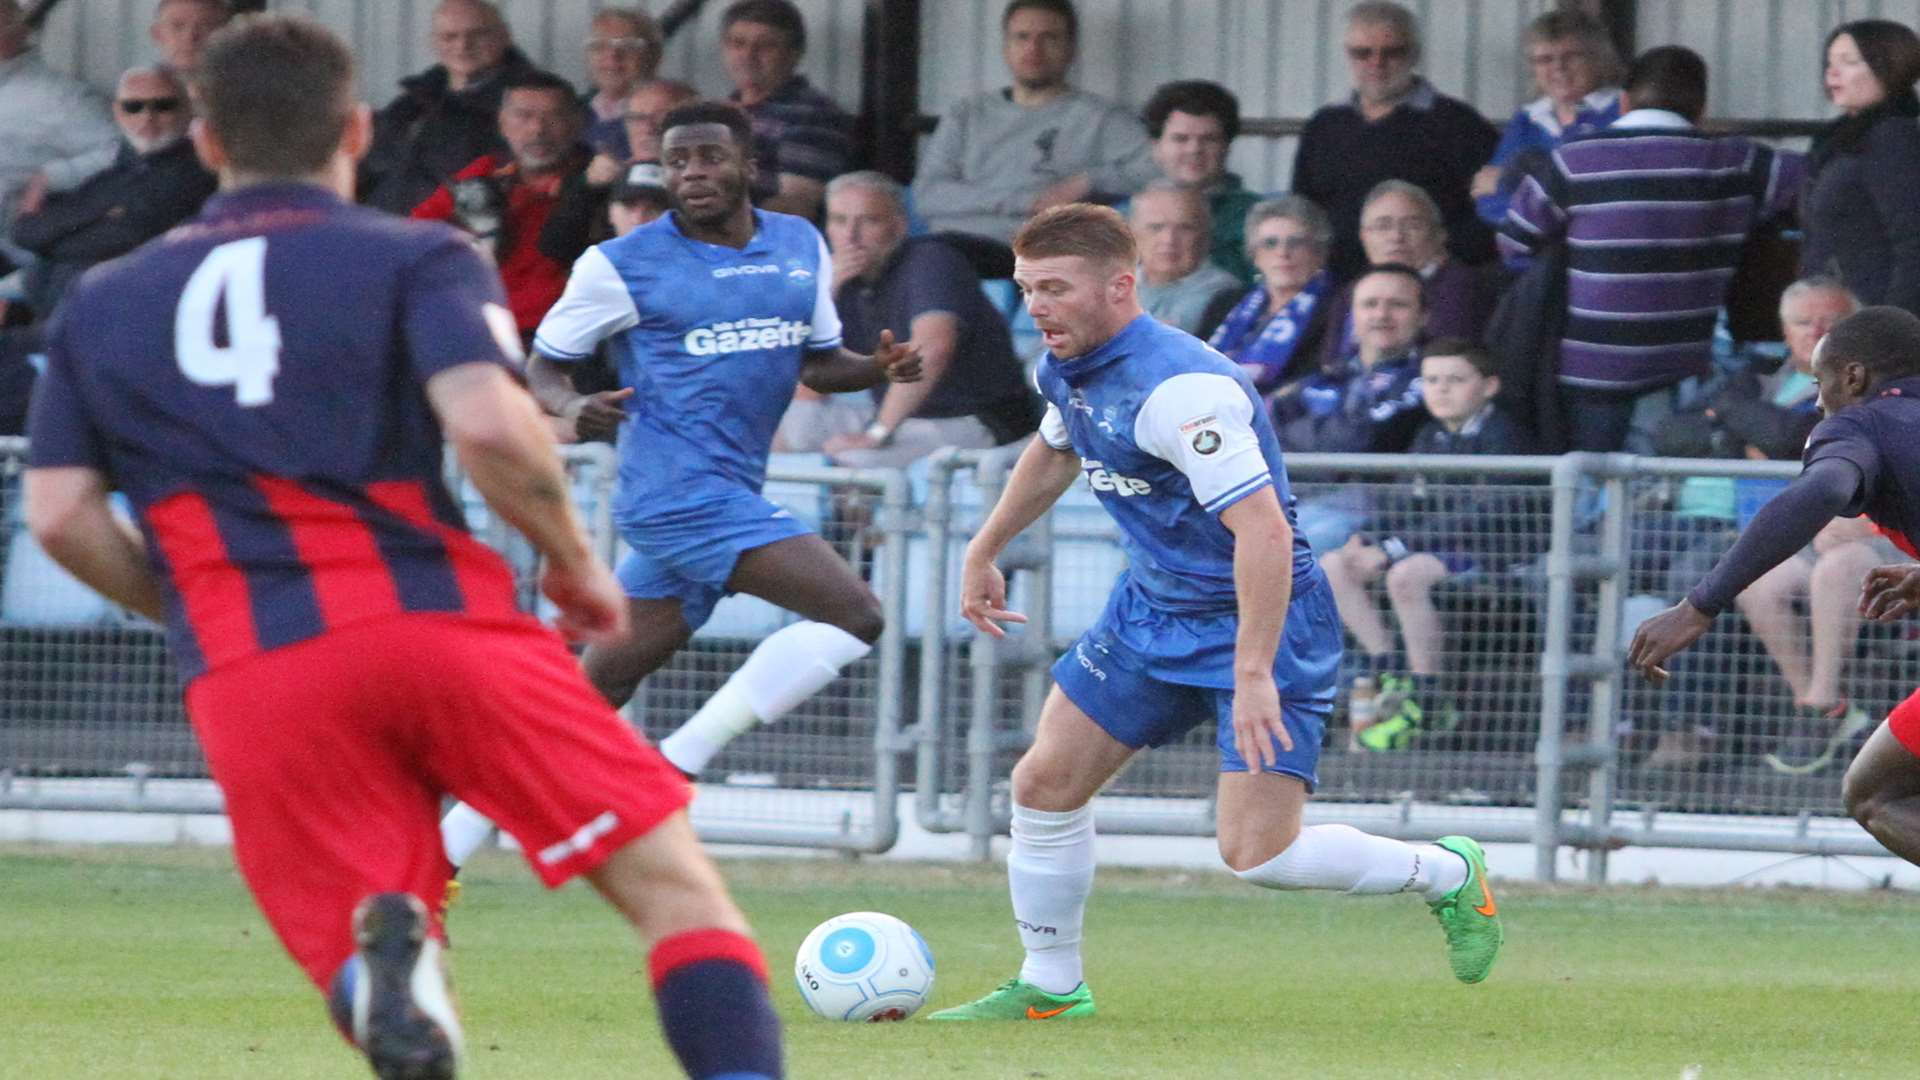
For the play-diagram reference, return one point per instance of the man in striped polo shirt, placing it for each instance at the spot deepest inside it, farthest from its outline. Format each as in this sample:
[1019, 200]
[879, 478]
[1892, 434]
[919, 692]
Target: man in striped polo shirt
[802, 139]
[1654, 213]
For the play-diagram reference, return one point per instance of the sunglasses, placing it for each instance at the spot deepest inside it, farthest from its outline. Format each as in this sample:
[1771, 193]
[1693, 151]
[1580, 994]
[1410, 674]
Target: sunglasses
[1367, 53]
[136, 106]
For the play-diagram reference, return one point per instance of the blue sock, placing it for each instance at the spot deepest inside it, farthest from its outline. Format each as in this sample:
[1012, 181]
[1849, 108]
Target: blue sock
[711, 987]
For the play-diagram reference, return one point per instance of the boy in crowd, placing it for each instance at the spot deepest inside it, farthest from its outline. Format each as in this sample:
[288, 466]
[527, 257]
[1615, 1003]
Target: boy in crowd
[1427, 535]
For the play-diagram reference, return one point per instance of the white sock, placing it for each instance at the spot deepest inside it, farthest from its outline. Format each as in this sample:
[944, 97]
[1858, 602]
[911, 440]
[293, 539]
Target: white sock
[1342, 857]
[462, 832]
[789, 667]
[1050, 873]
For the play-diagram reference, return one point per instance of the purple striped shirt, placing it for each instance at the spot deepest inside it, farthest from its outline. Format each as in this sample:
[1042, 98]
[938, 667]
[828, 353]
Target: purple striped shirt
[1654, 220]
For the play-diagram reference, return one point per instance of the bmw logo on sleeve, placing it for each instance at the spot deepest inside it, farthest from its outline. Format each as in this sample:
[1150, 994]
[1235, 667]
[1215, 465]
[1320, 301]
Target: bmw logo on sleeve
[1206, 441]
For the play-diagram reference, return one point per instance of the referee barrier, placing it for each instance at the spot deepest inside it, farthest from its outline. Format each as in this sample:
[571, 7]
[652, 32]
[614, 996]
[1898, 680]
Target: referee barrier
[1531, 731]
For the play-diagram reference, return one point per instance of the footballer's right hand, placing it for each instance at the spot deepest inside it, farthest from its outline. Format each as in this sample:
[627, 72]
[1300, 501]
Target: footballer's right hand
[593, 607]
[983, 597]
[1890, 592]
[598, 416]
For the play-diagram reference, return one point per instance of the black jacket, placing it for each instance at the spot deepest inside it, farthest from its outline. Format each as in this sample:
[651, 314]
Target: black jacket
[577, 221]
[1524, 336]
[1860, 210]
[430, 132]
[132, 201]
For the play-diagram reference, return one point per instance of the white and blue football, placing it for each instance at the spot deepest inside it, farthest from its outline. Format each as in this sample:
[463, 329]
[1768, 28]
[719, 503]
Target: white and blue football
[864, 966]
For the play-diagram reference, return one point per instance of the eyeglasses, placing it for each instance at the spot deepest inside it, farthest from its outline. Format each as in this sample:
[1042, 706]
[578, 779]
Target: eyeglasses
[136, 106]
[1412, 226]
[604, 44]
[1291, 243]
[1390, 53]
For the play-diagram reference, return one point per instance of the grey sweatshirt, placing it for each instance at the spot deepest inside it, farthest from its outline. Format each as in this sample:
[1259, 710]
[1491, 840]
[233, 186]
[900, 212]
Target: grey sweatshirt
[990, 158]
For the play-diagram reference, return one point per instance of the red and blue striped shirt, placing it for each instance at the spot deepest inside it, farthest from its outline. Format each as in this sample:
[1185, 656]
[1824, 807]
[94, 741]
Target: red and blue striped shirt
[254, 383]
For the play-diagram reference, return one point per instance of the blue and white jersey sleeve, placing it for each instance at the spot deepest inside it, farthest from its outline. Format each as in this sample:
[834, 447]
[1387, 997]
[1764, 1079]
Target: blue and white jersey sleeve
[595, 306]
[826, 317]
[1202, 424]
[1053, 428]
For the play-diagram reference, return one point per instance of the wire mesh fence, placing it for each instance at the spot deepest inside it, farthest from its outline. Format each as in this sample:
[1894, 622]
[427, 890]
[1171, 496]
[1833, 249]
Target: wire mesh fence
[1460, 704]
[88, 696]
[1487, 603]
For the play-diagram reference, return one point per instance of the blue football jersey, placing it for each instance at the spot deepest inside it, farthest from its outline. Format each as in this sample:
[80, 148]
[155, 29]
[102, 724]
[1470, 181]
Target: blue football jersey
[1170, 433]
[711, 339]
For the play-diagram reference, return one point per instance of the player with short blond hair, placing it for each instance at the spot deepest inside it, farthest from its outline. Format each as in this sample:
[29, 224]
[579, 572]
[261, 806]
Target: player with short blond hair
[1222, 616]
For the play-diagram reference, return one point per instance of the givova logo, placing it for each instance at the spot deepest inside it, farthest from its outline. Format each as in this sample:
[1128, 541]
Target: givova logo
[746, 335]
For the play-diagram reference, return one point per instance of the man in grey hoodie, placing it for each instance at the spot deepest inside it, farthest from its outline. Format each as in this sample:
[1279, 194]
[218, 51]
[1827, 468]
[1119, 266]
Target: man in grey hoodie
[999, 157]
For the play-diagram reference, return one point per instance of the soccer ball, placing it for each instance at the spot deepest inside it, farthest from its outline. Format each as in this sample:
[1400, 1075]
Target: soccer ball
[864, 966]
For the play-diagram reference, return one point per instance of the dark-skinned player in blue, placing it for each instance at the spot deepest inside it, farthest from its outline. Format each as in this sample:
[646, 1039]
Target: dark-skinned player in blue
[1864, 458]
[270, 385]
[714, 311]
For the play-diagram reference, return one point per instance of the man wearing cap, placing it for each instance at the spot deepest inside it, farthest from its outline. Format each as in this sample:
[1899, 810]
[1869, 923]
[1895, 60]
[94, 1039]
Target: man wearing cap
[638, 197]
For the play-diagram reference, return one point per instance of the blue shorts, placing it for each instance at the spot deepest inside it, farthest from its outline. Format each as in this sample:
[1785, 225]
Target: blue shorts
[1147, 676]
[691, 561]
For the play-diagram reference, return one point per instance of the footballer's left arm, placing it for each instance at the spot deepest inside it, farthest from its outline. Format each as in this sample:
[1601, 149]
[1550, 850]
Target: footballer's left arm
[1202, 424]
[69, 515]
[1262, 580]
[829, 366]
[839, 370]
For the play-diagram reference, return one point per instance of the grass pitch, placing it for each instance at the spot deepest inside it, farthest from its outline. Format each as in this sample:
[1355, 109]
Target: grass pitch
[153, 963]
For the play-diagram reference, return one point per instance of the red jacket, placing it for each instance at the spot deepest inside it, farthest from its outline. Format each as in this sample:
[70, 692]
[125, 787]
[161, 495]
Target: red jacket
[533, 281]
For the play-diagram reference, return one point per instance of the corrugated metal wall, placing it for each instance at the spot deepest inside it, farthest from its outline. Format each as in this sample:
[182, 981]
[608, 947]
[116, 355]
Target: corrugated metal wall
[1281, 57]
[101, 38]
[1763, 56]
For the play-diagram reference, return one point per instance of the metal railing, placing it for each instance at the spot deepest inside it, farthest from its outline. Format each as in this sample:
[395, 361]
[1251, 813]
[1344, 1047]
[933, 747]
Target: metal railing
[91, 715]
[1553, 749]
[1532, 731]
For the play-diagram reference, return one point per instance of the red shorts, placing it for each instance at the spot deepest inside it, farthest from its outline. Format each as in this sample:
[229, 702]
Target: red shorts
[333, 755]
[1904, 722]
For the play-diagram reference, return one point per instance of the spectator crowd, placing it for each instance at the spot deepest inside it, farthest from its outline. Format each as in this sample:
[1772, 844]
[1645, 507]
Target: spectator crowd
[1582, 278]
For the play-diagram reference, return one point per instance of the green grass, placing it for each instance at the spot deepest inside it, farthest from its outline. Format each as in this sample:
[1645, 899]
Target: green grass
[152, 963]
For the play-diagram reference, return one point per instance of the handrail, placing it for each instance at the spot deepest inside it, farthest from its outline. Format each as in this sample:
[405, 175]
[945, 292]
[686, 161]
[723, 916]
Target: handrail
[1289, 127]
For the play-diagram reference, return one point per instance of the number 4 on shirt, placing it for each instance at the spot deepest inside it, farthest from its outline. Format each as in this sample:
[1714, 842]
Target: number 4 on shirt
[233, 276]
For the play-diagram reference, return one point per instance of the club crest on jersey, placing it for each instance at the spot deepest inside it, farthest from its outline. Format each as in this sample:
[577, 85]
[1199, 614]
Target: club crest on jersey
[746, 335]
[796, 272]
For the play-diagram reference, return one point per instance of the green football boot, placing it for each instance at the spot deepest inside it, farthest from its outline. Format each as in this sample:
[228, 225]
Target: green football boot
[1400, 716]
[1016, 1000]
[1469, 916]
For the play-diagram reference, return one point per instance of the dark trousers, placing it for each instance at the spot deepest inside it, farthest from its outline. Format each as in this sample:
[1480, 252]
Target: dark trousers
[1598, 420]
[16, 376]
